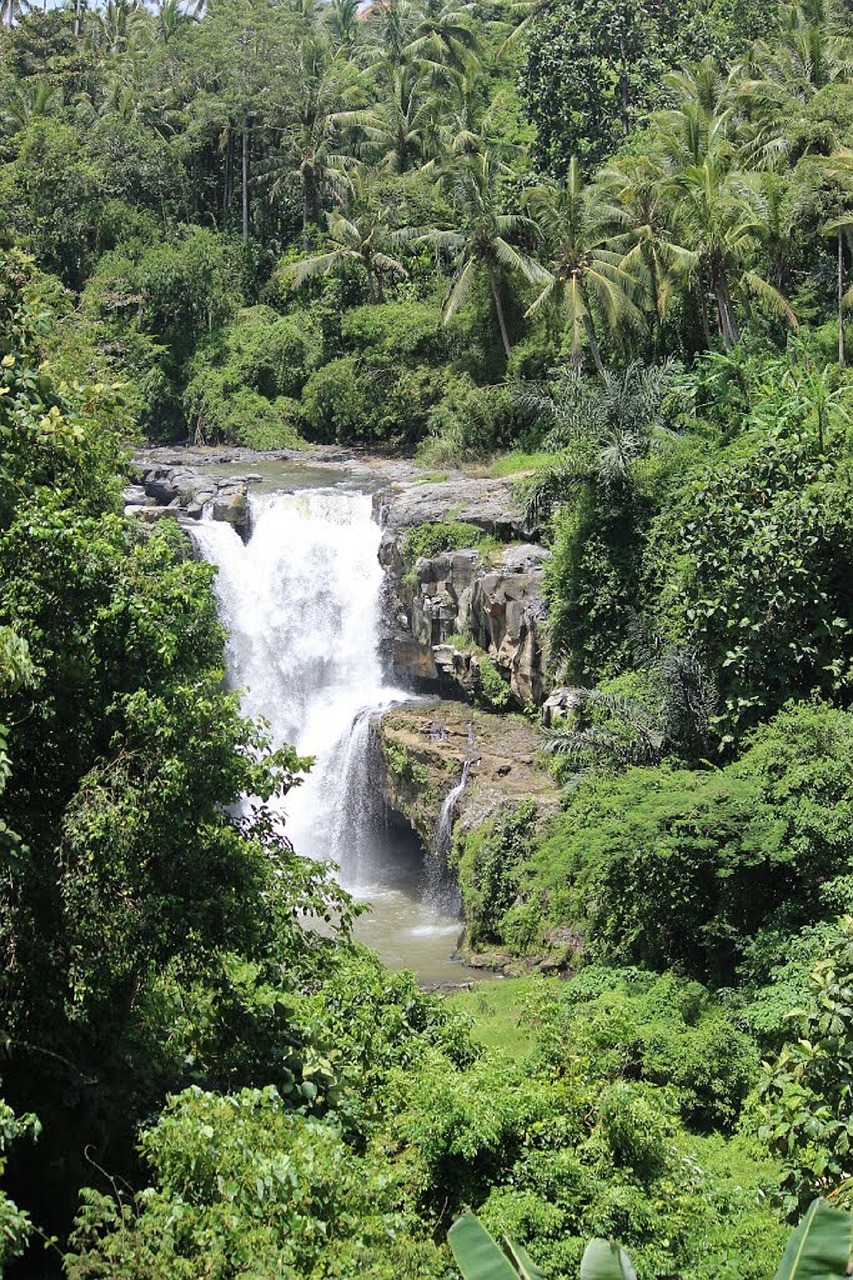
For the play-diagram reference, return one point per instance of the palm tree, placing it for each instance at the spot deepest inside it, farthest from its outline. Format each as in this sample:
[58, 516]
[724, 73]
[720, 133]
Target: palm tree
[353, 239]
[777, 79]
[443, 38]
[651, 256]
[716, 210]
[173, 16]
[12, 10]
[467, 116]
[674, 719]
[526, 11]
[596, 429]
[389, 31]
[398, 128]
[118, 26]
[840, 167]
[314, 93]
[481, 240]
[121, 94]
[585, 273]
[357, 236]
[722, 216]
[33, 100]
[342, 17]
[809, 52]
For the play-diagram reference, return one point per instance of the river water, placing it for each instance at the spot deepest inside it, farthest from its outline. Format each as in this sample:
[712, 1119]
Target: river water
[301, 605]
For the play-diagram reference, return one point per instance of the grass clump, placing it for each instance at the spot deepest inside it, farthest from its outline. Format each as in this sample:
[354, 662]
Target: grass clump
[519, 463]
[433, 538]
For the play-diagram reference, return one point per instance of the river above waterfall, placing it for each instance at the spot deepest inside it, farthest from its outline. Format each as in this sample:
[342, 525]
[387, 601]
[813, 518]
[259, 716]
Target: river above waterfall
[300, 601]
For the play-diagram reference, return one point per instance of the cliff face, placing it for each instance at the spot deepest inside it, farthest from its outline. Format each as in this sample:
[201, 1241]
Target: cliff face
[496, 602]
[467, 625]
[423, 747]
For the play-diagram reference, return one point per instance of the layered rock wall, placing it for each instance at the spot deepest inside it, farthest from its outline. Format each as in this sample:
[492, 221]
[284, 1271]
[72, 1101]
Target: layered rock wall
[495, 600]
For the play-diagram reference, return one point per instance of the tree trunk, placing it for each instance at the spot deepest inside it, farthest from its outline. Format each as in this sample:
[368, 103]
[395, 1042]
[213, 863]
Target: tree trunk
[701, 296]
[840, 296]
[78, 7]
[725, 310]
[245, 179]
[499, 311]
[624, 91]
[228, 184]
[593, 343]
[657, 337]
[306, 211]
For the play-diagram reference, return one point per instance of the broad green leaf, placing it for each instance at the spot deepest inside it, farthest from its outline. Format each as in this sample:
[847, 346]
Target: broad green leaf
[476, 1253]
[820, 1246]
[527, 1268]
[604, 1260]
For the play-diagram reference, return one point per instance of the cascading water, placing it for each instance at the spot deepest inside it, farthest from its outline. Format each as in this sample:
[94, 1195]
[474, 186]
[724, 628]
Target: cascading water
[300, 602]
[444, 826]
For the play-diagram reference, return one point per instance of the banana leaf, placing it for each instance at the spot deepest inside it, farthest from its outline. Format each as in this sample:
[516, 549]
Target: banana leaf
[819, 1247]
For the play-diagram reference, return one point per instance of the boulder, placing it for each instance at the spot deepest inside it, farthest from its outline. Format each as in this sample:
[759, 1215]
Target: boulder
[562, 703]
[134, 495]
[147, 514]
[230, 505]
[183, 492]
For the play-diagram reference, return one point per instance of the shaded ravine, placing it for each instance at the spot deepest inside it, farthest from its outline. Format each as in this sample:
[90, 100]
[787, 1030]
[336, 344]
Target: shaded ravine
[301, 605]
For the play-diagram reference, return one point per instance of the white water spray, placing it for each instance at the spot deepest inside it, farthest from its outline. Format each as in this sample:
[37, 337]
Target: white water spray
[300, 602]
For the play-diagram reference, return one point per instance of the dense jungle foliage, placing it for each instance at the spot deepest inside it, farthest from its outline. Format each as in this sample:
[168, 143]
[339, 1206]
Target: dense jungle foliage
[615, 239]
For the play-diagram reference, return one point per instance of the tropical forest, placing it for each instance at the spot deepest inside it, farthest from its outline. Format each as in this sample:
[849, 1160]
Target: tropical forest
[426, 639]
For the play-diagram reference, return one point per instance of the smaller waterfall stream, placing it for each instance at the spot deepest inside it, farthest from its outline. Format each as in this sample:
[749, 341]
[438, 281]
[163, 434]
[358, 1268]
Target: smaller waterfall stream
[300, 602]
[444, 826]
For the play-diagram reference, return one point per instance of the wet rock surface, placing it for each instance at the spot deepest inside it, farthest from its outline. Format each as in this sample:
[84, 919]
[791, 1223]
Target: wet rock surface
[495, 601]
[422, 748]
[163, 488]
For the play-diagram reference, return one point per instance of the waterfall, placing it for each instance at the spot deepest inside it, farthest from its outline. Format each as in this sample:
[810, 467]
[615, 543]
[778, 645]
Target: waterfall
[444, 826]
[300, 602]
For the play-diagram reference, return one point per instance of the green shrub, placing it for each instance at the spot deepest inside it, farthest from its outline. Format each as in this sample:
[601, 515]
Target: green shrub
[335, 402]
[492, 688]
[803, 1111]
[271, 353]
[401, 763]
[431, 539]
[662, 867]
[488, 868]
[398, 332]
[242, 1185]
[350, 399]
[593, 583]
[242, 384]
[755, 565]
[218, 408]
[468, 421]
